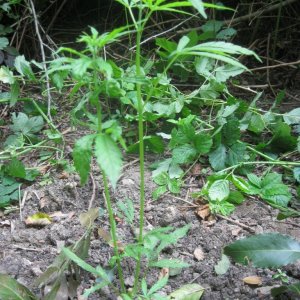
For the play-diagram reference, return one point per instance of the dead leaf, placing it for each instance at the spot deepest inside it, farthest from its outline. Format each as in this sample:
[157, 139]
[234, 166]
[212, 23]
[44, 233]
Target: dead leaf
[38, 219]
[252, 280]
[199, 254]
[63, 175]
[196, 170]
[236, 231]
[88, 218]
[5, 223]
[104, 234]
[203, 212]
[164, 272]
[58, 215]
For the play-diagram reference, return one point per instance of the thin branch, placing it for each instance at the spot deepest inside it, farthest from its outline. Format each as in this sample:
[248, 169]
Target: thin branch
[36, 23]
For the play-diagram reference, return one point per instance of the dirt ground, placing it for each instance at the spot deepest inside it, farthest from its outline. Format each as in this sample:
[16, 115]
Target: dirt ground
[27, 251]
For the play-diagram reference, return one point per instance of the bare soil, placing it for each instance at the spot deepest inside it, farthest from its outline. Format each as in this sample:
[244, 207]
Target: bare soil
[27, 251]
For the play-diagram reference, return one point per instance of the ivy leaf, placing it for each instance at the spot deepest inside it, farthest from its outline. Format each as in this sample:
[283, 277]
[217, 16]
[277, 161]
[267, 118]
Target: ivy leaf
[82, 155]
[203, 143]
[217, 158]
[265, 250]
[219, 190]
[109, 157]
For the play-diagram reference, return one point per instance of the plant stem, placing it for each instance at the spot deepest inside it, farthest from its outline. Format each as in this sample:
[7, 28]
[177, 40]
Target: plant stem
[274, 162]
[113, 231]
[141, 149]
[112, 222]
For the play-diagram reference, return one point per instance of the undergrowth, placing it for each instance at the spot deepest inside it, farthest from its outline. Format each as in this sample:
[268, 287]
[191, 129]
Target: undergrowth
[227, 138]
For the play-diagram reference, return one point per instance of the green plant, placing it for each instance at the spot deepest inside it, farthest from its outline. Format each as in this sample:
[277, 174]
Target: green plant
[104, 80]
[268, 251]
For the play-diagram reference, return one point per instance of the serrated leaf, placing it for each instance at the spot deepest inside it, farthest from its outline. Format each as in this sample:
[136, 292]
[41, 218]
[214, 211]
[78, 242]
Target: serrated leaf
[158, 285]
[109, 157]
[256, 124]
[223, 265]
[265, 250]
[191, 291]
[11, 289]
[23, 67]
[231, 132]
[82, 155]
[223, 73]
[236, 154]
[219, 190]
[203, 143]
[16, 168]
[6, 76]
[183, 154]
[282, 140]
[217, 158]
[159, 192]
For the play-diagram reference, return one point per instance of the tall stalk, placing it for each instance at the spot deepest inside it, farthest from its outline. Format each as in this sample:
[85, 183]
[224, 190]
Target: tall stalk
[141, 144]
[113, 227]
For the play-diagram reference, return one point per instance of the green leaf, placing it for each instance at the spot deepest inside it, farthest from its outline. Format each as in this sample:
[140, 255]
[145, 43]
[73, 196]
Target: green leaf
[109, 157]
[223, 265]
[254, 179]
[184, 154]
[82, 155]
[292, 117]
[158, 192]
[3, 42]
[217, 158]
[85, 266]
[27, 126]
[294, 288]
[174, 185]
[235, 197]
[296, 173]
[265, 250]
[224, 208]
[282, 140]
[236, 153]
[198, 4]
[158, 285]
[256, 124]
[23, 67]
[9, 191]
[127, 210]
[6, 76]
[240, 183]
[169, 263]
[192, 291]
[203, 143]
[219, 190]
[182, 43]
[11, 289]
[16, 169]
[231, 132]
[223, 73]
